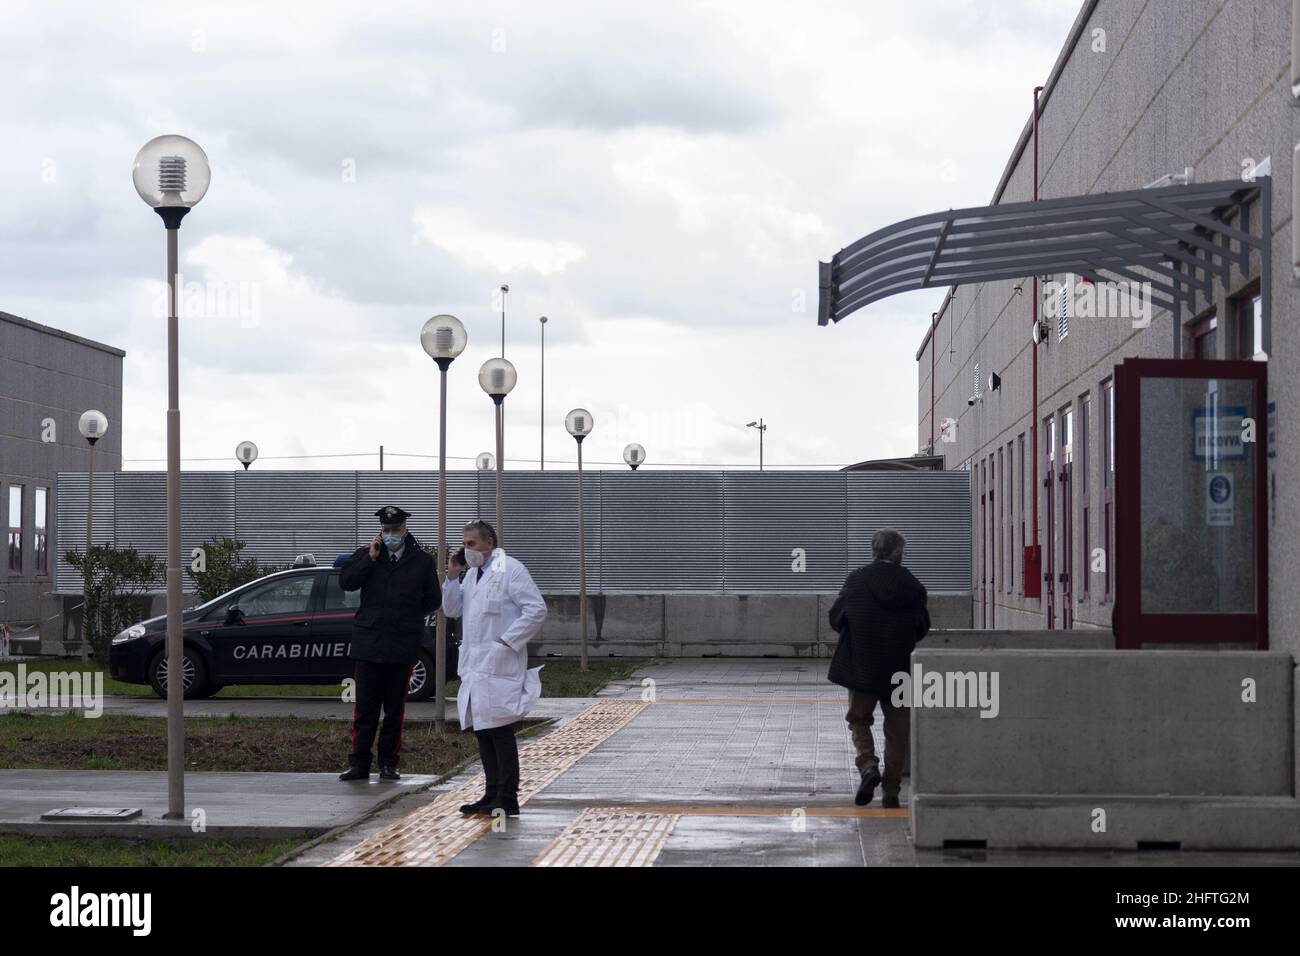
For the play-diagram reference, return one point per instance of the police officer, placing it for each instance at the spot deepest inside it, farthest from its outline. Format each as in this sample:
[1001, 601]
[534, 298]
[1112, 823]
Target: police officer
[398, 581]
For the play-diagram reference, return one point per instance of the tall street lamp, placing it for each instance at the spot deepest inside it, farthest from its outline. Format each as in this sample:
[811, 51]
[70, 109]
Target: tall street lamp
[579, 422]
[93, 425]
[541, 420]
[484, 462]
[171, 174]
[497, 377]
[634, 455]
[245, 453]
[443, 338]
[761, 428]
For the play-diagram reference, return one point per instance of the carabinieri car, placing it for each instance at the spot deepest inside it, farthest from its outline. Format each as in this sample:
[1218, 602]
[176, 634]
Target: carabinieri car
[290, 627]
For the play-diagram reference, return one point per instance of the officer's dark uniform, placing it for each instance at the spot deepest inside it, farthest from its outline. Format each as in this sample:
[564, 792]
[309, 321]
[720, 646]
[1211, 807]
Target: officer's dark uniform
[397, 593]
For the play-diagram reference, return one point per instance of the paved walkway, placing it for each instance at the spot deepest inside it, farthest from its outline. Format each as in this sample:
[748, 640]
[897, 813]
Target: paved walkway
[722, 762]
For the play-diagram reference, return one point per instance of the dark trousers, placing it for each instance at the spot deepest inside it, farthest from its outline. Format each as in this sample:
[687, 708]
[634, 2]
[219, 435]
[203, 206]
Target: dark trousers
[379, 686]
[499, 752]
[898, 730]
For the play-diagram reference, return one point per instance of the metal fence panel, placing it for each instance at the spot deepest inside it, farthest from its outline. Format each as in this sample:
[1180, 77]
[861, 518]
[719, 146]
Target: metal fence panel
[773, 517]
[930, 509]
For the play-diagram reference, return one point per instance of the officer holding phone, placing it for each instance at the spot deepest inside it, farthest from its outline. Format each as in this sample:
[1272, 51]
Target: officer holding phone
[399, 588]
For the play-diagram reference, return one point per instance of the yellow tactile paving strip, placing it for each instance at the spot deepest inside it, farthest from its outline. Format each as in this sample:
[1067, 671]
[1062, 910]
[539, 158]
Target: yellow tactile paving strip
[438, 831]
[766, 811]
[754, 701]
[610, 836]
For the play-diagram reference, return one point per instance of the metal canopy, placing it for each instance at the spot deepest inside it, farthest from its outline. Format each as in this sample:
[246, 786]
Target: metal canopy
[1179, 237]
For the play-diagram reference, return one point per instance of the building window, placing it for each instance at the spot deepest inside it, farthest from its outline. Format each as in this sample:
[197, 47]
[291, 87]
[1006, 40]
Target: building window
[977, 380]
[1205, 336]
[15, 529]
[1248, 311]
[40, 536]
[1020, 470]
[1001, 542]
[1108, 484]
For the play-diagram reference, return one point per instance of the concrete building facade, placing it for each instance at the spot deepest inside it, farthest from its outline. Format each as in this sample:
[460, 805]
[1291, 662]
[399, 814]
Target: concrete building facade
[1139, 91]
[48, 378]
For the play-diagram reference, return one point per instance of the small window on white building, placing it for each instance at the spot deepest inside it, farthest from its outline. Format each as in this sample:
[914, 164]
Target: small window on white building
[1063, 310]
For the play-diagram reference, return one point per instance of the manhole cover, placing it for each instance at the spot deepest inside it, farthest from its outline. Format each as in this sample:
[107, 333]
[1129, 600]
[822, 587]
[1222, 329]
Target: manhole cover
[92, 813]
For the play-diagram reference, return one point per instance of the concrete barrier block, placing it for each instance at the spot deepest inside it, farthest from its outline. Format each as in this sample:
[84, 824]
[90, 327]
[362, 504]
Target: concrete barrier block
[1110, 722]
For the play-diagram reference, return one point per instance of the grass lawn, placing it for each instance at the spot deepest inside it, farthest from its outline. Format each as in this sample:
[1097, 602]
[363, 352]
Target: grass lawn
[119, 851]
[560, 678]
[255, 744]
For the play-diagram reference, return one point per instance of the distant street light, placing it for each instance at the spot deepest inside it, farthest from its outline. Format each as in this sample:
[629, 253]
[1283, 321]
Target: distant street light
[245, 453]
[497, 377]
[443, 337]
[93, 425]
[761, 428]
[579, 423]
[171, 174]
[634, 455]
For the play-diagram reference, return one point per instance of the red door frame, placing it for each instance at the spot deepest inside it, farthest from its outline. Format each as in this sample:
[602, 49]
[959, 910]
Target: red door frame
[1133, 628]
[1065, 574]
[1049, 520]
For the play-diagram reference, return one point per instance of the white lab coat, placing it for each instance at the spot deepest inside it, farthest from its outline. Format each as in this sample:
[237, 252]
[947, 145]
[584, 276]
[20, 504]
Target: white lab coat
[496, 686]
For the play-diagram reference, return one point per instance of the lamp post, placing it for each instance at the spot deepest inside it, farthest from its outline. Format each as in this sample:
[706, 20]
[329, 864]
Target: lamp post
[497, 377]
[634, 455]
[245, 453]
[579, 422]
[541, 421]
[761, 428]
[443, 338]
[484, 462]
[171, 174]
[93, 425]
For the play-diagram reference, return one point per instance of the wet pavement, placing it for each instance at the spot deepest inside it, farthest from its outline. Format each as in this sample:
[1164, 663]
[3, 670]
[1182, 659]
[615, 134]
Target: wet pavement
[731, 762]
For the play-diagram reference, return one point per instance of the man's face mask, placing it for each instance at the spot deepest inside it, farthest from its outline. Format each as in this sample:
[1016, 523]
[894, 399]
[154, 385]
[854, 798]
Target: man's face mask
[474, 558]
[392, 541]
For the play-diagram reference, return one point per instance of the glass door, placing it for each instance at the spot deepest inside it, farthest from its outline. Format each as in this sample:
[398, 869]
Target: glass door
[1190, 504]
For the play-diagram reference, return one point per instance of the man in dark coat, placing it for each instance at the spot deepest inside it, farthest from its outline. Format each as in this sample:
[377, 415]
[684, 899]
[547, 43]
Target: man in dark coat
[880, 615]
[398, 581]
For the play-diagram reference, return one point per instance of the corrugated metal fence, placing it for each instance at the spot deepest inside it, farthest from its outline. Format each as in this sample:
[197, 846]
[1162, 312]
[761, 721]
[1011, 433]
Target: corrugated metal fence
[648, 531]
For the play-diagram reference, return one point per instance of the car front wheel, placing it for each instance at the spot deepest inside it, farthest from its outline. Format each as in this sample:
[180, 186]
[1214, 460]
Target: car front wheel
[193, 670]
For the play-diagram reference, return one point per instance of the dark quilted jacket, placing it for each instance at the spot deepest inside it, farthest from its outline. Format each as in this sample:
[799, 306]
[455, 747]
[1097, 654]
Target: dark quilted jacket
[883, 606]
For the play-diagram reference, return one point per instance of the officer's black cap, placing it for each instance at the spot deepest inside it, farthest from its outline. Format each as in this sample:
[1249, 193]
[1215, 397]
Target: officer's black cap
[391, 517]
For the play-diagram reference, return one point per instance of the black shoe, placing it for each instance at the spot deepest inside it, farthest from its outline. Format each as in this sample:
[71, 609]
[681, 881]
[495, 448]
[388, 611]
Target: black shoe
[889, 801]
[355, 773]
[867, 788]
[482, 803]
[389, 773]
[508, 803]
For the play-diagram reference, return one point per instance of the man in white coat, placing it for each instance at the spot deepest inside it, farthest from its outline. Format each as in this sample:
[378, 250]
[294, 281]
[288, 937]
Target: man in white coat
[501, 610]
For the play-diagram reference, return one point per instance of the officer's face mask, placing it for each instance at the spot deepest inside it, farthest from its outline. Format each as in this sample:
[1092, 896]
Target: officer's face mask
[474, 558]
[392, 541]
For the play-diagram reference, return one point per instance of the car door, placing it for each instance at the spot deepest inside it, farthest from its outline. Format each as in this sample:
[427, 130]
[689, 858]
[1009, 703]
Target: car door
[332, 629]
[270, 635]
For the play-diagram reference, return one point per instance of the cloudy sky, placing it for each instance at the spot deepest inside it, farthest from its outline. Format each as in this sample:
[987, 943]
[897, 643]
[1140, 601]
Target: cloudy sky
[659, 179]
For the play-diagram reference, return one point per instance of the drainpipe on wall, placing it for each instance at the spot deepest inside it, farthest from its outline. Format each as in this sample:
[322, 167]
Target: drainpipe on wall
[934, 324]
[1033, 553]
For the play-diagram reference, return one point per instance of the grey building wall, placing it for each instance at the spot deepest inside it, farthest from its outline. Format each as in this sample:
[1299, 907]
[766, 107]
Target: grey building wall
[49, 374]
[1179, 83]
